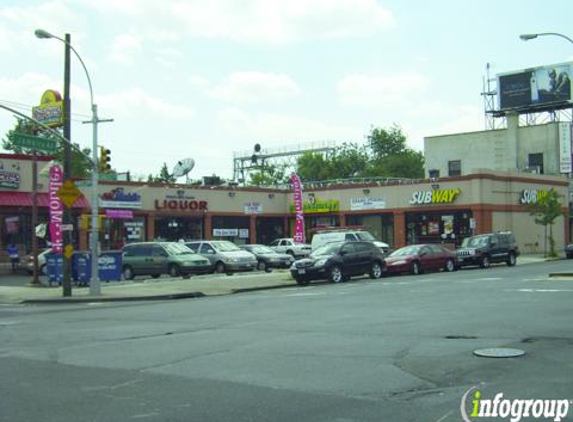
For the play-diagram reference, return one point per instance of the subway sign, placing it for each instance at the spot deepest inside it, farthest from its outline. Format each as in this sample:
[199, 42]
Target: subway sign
[438, 196]
[531, 196]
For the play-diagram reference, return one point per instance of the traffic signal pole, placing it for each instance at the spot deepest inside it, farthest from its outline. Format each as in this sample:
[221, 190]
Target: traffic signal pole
[67, 267]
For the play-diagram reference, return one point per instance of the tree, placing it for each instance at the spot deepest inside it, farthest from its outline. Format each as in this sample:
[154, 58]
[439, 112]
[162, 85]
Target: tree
[546, 210]
[80, 166]
[267, 175]
[162, 177]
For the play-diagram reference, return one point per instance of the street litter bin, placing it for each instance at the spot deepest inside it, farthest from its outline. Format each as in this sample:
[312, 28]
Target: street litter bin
[55, 268]
[109, 266]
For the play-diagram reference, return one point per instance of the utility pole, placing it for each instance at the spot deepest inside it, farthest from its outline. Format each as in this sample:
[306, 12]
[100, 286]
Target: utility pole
[67, 264]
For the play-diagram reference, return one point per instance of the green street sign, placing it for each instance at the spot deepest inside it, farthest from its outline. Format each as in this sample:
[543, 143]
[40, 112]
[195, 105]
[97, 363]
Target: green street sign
[34, 142]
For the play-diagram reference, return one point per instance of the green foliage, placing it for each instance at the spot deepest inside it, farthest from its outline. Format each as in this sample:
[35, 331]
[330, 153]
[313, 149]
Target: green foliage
[384, 155]
[267, 175]
[162, 177]
[80, 166]
[545, 211]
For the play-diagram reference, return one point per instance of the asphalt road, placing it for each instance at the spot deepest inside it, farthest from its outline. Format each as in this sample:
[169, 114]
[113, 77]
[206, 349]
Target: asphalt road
[399, 349]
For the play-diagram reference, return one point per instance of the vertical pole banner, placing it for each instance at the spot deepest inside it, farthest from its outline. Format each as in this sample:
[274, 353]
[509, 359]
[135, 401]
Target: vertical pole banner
[56, 208]
[299, 223]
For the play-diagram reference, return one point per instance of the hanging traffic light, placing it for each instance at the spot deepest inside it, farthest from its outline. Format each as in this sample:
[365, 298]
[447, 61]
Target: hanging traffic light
[104, 159]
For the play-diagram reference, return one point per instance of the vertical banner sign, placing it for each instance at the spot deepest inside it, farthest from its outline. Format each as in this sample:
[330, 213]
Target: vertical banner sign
[565, 147]
[56, 208]
[299, 223]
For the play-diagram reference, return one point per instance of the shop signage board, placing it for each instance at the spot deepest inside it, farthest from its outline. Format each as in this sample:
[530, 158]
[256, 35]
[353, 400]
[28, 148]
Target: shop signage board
[253, 208]
[319, 206]
[50, 110]
[226, 232]
[69, 193]
[531, 196]
[119, 214]
[56, 208]
[436, 196]
[565, 165]
[118, 198]
[34, 142]
[9, 180]
[368, 203]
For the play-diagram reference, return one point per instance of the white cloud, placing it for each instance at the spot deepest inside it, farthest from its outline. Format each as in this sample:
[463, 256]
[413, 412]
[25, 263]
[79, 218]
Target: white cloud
[124, 47]
[278, 129]
[387, 91]
[251, 87]
[198, 81]
[136, 103]
[259, 21]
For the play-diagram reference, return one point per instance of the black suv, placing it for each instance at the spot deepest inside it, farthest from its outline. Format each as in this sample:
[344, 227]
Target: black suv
[338, 261]
[485, 249]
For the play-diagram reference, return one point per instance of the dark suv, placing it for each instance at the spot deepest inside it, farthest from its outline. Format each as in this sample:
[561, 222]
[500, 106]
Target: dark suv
[338, 261]
[485, 249]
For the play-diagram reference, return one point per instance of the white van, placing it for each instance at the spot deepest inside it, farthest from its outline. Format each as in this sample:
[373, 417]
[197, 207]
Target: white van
[327, 236]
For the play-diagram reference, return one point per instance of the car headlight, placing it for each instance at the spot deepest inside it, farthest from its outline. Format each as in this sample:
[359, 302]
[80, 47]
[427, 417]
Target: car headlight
[399, 262]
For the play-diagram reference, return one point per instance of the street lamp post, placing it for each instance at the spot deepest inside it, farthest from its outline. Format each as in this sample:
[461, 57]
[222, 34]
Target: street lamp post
[95, 287]
[527, 37]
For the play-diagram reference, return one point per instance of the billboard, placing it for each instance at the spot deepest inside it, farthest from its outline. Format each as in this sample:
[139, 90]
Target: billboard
[539, 87]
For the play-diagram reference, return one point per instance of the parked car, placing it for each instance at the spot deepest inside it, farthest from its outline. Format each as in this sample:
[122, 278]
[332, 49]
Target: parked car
[337, 235]
[569, 251]
[338, 261]
[416, 259]
[485, 249]
[156, 258]
[289, 246]
[28, 262]
[225, 256]
[268, 258]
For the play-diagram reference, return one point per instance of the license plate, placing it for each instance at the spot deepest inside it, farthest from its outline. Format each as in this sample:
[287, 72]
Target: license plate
[301, 271]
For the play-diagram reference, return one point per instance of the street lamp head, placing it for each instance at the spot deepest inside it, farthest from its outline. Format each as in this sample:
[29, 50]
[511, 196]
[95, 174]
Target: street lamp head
[527, 37]
[40, 33]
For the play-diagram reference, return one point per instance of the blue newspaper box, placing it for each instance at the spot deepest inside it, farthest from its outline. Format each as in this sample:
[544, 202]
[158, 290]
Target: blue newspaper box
[109, 266]
[55, 268]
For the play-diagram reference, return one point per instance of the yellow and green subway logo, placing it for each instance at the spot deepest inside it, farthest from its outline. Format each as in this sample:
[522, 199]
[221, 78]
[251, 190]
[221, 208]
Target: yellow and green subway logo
[475, 407]
[437, 196]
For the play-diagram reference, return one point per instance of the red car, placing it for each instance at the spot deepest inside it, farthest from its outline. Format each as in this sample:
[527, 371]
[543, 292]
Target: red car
[416, 259]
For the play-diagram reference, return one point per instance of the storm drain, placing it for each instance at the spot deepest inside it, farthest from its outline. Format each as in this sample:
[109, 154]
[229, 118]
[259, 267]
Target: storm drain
[499, 352]
[460, 337]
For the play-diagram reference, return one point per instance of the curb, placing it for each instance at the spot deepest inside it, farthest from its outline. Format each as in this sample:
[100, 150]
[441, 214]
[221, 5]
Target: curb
[257, 289]
[88, 299]
[560, 275]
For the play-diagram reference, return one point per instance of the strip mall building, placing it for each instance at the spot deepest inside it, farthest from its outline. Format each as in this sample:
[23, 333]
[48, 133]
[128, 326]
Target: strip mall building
[398, 213]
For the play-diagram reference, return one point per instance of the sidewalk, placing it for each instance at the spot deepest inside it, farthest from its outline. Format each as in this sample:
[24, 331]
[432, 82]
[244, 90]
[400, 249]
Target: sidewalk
[165, 288]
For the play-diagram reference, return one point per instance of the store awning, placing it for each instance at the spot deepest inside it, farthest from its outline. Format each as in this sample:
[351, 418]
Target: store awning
[25, 199]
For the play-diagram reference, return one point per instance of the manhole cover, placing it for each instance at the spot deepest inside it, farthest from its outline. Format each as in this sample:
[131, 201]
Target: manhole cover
[499, 352]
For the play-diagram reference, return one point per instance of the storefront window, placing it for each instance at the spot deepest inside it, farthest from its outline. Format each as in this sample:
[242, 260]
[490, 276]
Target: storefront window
[269, 229]
[432, 227]
[119, 232]
[381, 226]
[173, 229]
[233, 229]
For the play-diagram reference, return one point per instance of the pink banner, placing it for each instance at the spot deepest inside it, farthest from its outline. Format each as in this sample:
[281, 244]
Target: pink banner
[299, 222]
[118, 213]
[56, 208]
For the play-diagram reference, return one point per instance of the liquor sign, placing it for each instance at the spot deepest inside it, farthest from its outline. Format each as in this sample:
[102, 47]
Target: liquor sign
[565, 147]
[298, 208]
[118, 198]
[56, 208]
[9, 180]
[50, 110]
[367, 203]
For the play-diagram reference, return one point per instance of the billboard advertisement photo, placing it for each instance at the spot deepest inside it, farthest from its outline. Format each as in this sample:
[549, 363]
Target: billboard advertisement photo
[540, 87]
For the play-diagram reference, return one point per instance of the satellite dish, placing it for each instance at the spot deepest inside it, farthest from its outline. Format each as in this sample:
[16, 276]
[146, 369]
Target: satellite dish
[183, 167]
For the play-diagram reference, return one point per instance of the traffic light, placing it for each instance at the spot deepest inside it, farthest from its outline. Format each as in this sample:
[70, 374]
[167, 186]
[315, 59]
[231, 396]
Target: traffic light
[104, 159]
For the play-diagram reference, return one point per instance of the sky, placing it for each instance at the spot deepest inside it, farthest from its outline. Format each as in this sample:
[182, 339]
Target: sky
[204, 79]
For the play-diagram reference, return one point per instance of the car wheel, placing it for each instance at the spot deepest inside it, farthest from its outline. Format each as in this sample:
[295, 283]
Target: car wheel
[301, 281]
[262, 266]
[174, 270]
[512, 260]
[220, 268]
[186, 276]
[155, 275]
[335, 274]
[291, 253]
[128, 273]
[450, 266]
[415, 268]
[376, 271]
[484, 263]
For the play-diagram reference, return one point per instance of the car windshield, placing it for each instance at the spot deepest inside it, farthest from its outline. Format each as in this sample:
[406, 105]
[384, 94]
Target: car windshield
[365, 236]
[177, 249]
[328, 249]
[475, 242]
[225, 246]
[407, 250]
[261, 249]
